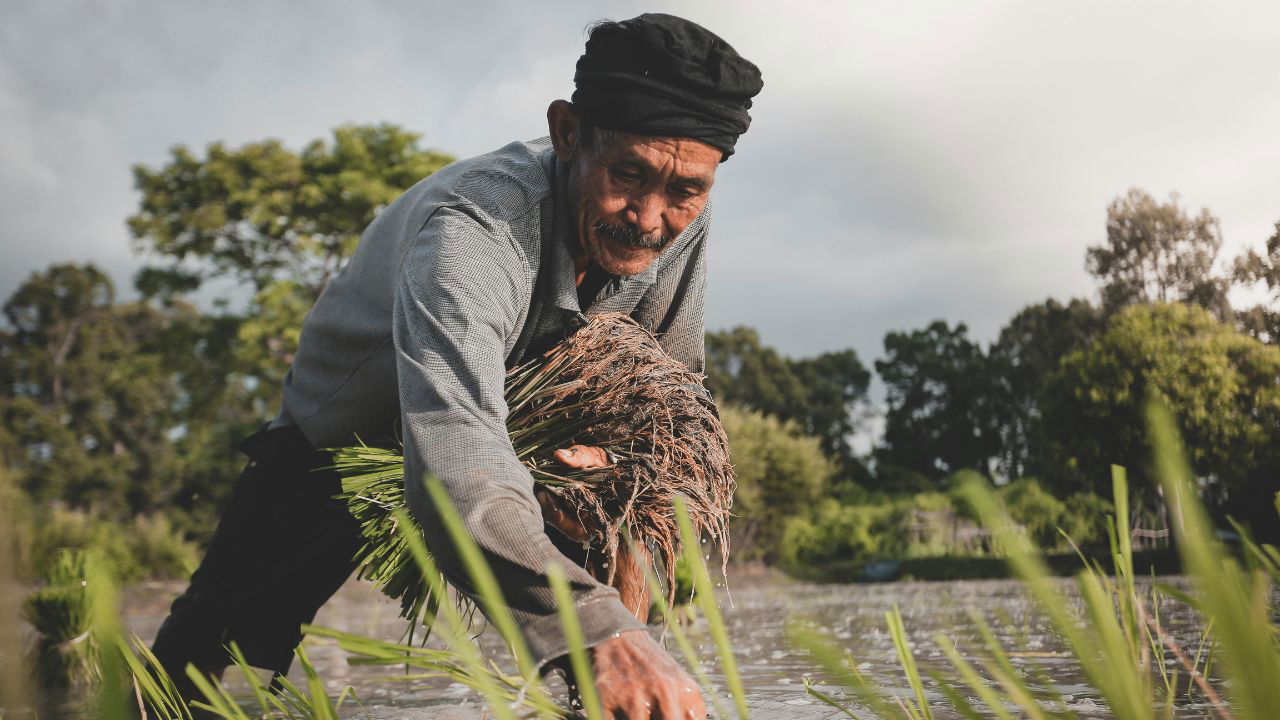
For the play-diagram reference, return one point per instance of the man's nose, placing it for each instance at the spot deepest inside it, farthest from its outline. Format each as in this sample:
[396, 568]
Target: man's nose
[645, 213]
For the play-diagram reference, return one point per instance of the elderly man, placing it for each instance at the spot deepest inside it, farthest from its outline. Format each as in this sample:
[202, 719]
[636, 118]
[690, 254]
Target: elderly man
[477, 268]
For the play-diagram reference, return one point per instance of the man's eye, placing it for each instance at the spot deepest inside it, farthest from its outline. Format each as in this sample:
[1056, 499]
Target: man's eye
[626, 175]
[684, 192]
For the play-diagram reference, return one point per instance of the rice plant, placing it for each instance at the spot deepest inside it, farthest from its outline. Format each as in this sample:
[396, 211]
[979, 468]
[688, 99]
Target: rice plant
[1117, 637]
[65, 653]
[610, 385]
[1115, 633]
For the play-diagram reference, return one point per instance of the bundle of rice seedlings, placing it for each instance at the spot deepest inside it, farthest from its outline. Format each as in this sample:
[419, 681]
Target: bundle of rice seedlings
[65, 653]
[610, 385]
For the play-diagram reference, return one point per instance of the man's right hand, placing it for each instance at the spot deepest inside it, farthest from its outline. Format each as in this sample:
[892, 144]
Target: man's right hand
[637, 680]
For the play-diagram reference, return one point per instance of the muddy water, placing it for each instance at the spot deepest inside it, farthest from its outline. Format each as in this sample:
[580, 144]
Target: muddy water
[773, 671]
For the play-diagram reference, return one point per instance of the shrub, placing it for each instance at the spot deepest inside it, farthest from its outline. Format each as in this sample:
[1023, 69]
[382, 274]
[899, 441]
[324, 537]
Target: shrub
[1082, 516]
[146, 547]
[781, 473]
[833, 532]
[1036, 510]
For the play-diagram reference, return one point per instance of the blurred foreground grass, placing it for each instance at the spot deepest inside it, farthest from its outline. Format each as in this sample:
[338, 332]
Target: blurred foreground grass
[1115, 635]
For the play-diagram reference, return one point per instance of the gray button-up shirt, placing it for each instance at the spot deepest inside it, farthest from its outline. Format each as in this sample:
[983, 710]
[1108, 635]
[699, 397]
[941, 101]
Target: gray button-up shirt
[463, 277]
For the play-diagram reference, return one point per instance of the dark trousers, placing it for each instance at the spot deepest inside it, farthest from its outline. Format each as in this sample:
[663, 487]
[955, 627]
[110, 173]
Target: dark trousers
[283, 546]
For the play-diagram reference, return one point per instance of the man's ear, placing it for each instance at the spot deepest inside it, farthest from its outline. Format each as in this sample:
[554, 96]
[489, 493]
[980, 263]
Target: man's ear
[562, 125]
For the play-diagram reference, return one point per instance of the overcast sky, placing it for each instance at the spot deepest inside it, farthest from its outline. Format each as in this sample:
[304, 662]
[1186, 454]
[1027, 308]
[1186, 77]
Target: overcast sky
[906, 162]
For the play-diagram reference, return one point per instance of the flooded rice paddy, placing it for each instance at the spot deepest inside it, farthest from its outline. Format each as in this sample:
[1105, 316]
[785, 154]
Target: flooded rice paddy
[773, 672]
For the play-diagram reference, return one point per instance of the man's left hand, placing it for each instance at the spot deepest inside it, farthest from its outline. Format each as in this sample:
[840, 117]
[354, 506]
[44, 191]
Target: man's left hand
[578, 457]
[628, 576]
[583, 457]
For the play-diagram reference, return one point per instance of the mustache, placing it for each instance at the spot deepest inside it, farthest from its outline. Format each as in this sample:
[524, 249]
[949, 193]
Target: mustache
[631, 237]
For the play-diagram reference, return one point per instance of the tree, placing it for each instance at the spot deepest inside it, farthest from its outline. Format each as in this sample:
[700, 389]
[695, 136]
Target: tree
[781, 472]
[132, 407]
[823, 395]
[1156, 252]
[1223, 387]
[88, 396]
[939, 417]
[277, 223]
[262, 213]
[742, 370]
[1262, 320]
[1029, 348]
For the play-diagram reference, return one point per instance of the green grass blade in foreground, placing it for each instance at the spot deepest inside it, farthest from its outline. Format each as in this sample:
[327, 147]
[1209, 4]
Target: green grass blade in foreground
[321, 706]
[989, 696]
[577, 643]
[431, 663]
[1261, 557]
[898, 632]
[217, 699]
[152, 682]
[1127, 595]
[705, 597]
[269, 701]
[486, 586]
[450, 622]
[104, 623]
[682, 640]
[959, 703]
[1124, 686]
[813, 691]
[841, 670]
[16, 690]
[482, 577]
[1229, 596]
[1001, 668]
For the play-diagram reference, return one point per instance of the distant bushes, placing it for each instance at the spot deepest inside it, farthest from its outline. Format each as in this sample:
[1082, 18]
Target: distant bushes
[785, 512]
[781, 473]
[932, 525]
[1082, 516]
[835, 532]
[145, 547]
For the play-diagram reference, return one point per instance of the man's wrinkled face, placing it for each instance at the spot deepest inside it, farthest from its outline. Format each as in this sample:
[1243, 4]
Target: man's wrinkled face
[634, 194]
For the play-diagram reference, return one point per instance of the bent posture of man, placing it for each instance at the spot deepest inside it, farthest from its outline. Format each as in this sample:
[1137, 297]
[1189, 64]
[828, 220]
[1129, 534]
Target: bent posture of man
[477, 268]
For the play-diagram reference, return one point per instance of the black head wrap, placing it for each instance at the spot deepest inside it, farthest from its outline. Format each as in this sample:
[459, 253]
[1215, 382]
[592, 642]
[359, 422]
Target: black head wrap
[662, 75]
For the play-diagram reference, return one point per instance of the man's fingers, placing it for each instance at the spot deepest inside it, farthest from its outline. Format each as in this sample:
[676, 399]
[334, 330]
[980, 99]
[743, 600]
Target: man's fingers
[583, 457]
[638, 680]
[556, 516]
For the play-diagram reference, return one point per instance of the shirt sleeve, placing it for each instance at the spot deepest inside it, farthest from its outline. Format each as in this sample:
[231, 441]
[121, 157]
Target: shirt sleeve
[462, 289]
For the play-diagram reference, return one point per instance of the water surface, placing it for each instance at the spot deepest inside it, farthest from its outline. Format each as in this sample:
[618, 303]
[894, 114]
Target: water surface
[850, 615]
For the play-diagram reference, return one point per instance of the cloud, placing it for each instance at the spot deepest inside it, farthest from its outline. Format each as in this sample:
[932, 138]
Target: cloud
[905, 162]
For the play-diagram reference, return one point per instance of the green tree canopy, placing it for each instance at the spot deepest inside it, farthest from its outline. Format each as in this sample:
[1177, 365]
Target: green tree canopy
[262, 213]
[276, 222]
[1223, 386]
[1029, 348]
[823, 395]
[134, 406]
[1156, 252]
[90, 397]
[1262, 320]
[939, 416]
